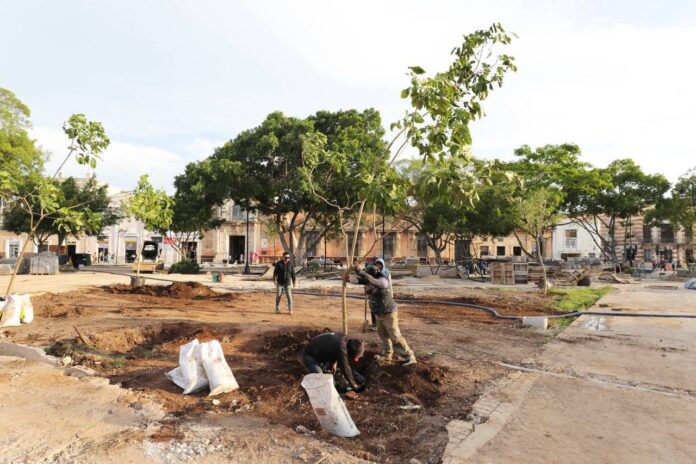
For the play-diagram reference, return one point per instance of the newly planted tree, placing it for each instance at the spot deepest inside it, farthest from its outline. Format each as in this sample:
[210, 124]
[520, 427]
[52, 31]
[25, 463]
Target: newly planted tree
[437, 125]
[151, 206]
[22, 183]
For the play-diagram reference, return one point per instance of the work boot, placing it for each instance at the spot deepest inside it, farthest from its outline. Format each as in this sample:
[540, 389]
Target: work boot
[373, 328]
[383, 358]
[277, 310]
[290, 311]
[411, 360]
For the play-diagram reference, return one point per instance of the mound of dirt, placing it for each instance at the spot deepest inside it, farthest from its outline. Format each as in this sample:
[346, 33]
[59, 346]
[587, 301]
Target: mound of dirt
[180, 290]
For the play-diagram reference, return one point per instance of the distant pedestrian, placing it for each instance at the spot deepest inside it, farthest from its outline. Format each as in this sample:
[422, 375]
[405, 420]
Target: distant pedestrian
[384, 308]
[283, 276]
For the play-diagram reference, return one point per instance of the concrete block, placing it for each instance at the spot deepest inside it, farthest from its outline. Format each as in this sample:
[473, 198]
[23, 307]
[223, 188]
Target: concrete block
[536, 322]
[30, 353]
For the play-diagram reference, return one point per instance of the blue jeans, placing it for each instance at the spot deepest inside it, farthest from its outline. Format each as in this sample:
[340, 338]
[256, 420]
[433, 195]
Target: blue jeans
[279, 293]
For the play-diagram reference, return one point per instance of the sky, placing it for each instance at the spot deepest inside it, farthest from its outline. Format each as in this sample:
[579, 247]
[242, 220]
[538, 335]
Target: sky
[171, 80]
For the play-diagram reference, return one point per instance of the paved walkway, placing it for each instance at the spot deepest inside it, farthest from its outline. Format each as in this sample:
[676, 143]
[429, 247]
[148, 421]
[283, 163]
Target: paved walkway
[607, 390]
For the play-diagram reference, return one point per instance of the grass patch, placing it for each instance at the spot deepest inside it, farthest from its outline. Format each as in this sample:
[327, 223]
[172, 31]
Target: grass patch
[576, 299]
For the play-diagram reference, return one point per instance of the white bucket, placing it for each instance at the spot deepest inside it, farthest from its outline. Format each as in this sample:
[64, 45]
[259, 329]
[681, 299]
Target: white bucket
[328, 406]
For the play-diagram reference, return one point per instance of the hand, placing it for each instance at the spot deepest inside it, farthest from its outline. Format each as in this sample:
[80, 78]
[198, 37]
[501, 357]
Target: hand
[351, 395]
[360, 389]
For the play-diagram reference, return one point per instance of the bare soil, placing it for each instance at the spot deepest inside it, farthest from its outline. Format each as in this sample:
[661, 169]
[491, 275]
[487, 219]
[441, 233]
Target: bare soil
[132, 337]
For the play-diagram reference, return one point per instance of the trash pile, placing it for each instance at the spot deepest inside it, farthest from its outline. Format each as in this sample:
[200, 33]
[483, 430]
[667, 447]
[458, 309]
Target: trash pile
[17, 309]
[203, 365]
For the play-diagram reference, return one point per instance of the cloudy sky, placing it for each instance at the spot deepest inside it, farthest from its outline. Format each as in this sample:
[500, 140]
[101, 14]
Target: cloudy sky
[170, 80]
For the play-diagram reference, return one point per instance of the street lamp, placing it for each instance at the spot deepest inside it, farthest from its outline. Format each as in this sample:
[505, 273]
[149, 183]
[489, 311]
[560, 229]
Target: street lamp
[246, 243]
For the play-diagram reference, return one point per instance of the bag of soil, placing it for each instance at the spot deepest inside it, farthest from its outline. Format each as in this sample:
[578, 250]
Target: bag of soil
[26, 314]
[328, 406]
[11, 311]
[190, 375]
[219, 373]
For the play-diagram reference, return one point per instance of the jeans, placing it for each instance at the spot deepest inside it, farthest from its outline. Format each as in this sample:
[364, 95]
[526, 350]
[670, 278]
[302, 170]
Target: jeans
[279, 293]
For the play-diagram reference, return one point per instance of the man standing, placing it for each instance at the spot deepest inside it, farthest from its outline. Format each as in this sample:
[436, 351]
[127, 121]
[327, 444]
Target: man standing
[383, 306]
[330, 352]
[283, 275]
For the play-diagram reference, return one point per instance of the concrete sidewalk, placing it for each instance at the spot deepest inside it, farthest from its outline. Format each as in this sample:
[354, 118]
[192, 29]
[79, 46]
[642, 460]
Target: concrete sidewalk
[608, 389]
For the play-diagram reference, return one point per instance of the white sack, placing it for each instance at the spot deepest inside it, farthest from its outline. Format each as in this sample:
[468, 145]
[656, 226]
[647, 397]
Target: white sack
[11, 312]
[328, 406]
[219, 373]
[26, 314]
[192, 371]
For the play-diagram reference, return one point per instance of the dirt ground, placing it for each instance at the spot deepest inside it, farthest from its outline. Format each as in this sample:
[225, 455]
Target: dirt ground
[133, 338]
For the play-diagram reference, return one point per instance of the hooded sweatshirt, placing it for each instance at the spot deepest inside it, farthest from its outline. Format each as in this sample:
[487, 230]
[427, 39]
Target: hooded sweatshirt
[387, 274]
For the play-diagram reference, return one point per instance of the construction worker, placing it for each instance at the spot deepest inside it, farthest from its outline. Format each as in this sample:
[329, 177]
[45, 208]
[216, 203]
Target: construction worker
[330, 353]
[382, 266]
[383, 306]
[283, 275]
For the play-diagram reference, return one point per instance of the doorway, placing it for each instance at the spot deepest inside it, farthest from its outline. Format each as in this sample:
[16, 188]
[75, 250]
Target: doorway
[237, 250]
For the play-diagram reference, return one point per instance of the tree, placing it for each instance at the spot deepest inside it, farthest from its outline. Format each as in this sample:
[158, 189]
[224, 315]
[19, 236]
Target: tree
[555, 179]
[192, 211]
[89, 202]
[261, 170]
[535, 211]
[87, 141]
[437, 125]
[19, 155]
[151, 206]
[624, 191]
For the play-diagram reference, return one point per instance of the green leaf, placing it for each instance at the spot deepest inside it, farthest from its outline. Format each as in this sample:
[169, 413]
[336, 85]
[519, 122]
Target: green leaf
[417, 70]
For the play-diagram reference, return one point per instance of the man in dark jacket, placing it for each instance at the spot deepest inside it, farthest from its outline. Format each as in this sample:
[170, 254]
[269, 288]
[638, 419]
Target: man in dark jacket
[384, 308]
[283, 275]
[327, 351]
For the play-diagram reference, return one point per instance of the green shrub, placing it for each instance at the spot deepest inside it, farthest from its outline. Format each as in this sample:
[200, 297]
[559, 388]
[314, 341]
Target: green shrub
[185, 267]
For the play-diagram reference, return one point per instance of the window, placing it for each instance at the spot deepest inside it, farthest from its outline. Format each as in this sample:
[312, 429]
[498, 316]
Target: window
[666, 233]
[422, 247]
[500, 251]
[516, 251]
[483, 251]
[571, 239]
[647, 233]
[14, 250]
[689, 232]
[647, 255]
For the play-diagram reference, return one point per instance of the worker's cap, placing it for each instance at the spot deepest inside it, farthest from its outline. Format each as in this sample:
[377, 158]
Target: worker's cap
[356, 348]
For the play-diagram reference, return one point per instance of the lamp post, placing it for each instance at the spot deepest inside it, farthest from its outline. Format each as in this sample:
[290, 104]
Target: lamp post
[246, 243]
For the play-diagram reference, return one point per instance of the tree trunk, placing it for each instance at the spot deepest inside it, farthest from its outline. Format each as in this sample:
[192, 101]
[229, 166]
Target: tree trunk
[540, 260]
[16, 268]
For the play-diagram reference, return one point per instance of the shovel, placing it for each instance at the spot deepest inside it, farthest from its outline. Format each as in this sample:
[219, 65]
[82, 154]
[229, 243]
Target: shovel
[366, 323]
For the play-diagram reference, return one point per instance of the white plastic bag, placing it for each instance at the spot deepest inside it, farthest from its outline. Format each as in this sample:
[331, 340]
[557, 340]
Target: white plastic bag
[191, 368]
[11, 311]
[328, 406]
[219, 373]
[26, 314]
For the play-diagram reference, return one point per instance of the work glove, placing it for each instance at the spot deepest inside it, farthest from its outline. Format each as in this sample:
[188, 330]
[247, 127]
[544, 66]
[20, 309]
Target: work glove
[359, 388]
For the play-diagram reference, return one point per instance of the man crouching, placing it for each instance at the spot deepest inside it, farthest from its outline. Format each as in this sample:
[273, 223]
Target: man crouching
[325, 352]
